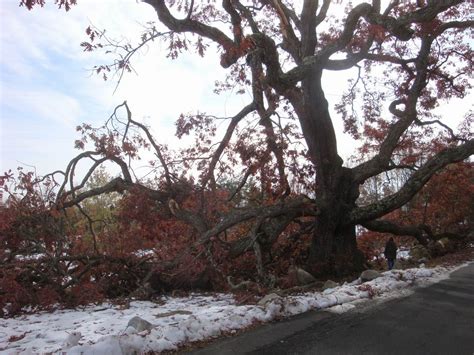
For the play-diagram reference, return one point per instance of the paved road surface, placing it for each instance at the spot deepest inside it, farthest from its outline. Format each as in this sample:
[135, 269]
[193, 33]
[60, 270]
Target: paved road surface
[438, 319]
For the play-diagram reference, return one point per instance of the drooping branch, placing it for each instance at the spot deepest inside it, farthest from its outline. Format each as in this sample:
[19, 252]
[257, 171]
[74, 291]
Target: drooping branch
[233, 49]
[69, 167]
[277, 152]
[73, 188]
[420, 232]
[301, 205]
[90, 223]
[116, 185]
[414, 184]
[438, 122]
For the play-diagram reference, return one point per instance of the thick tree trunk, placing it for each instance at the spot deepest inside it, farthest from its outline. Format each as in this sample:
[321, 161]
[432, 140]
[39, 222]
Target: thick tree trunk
[334, 249]
[334, 246]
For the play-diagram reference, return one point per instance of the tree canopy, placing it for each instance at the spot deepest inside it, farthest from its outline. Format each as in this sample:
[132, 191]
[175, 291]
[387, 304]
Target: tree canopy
[274, 175]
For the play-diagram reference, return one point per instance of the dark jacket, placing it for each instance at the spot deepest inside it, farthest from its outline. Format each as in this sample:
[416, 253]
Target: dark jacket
[390, 250]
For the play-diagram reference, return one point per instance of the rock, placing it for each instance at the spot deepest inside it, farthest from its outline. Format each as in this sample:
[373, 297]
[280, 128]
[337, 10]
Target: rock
[443, 246]
[423, 260]
[443, 242]
[297, 277]
[268, 298]
[369, 275]
[329, 284]
[446, 244]
[139, 324]
[302, 277]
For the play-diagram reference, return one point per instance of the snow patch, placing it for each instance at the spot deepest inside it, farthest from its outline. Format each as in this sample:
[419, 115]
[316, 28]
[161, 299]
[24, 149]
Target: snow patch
[342, 308]
[176, 321]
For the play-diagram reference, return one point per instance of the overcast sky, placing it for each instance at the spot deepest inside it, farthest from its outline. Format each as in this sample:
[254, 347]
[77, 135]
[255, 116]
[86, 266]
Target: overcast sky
[47, 88]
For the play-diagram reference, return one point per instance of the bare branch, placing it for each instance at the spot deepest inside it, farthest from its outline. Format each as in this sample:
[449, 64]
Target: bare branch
[153, 143]
[225, 141]
[438, 122]
[190, 11]
[69, 168]
[91, 226]
[242, 183]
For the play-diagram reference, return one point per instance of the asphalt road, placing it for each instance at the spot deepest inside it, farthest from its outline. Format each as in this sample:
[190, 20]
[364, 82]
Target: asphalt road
[438, 319]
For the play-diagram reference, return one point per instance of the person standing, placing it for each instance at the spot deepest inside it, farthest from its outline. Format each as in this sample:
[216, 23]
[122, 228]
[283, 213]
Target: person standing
[390, 253]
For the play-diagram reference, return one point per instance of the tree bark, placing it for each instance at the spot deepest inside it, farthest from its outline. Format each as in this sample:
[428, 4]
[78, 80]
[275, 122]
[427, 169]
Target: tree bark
[334, 247]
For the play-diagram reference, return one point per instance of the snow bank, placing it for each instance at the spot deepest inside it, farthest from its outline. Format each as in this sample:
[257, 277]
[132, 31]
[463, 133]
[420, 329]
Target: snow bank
[176, 321]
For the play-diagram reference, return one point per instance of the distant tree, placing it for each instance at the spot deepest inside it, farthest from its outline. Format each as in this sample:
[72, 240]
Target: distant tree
[442, 208]
[410, 57]
[98, 211]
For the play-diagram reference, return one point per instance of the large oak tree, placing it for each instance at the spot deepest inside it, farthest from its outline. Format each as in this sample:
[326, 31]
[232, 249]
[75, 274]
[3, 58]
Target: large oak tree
[409, 56]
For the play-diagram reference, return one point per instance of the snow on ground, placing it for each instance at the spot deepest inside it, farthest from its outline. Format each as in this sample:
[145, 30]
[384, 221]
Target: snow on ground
[103, 329]
[403, 253]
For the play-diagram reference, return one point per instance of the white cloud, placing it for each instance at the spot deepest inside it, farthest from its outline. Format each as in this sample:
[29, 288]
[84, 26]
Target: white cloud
[48, 105]
[45, 78]
[46, 41]
[45, 84]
